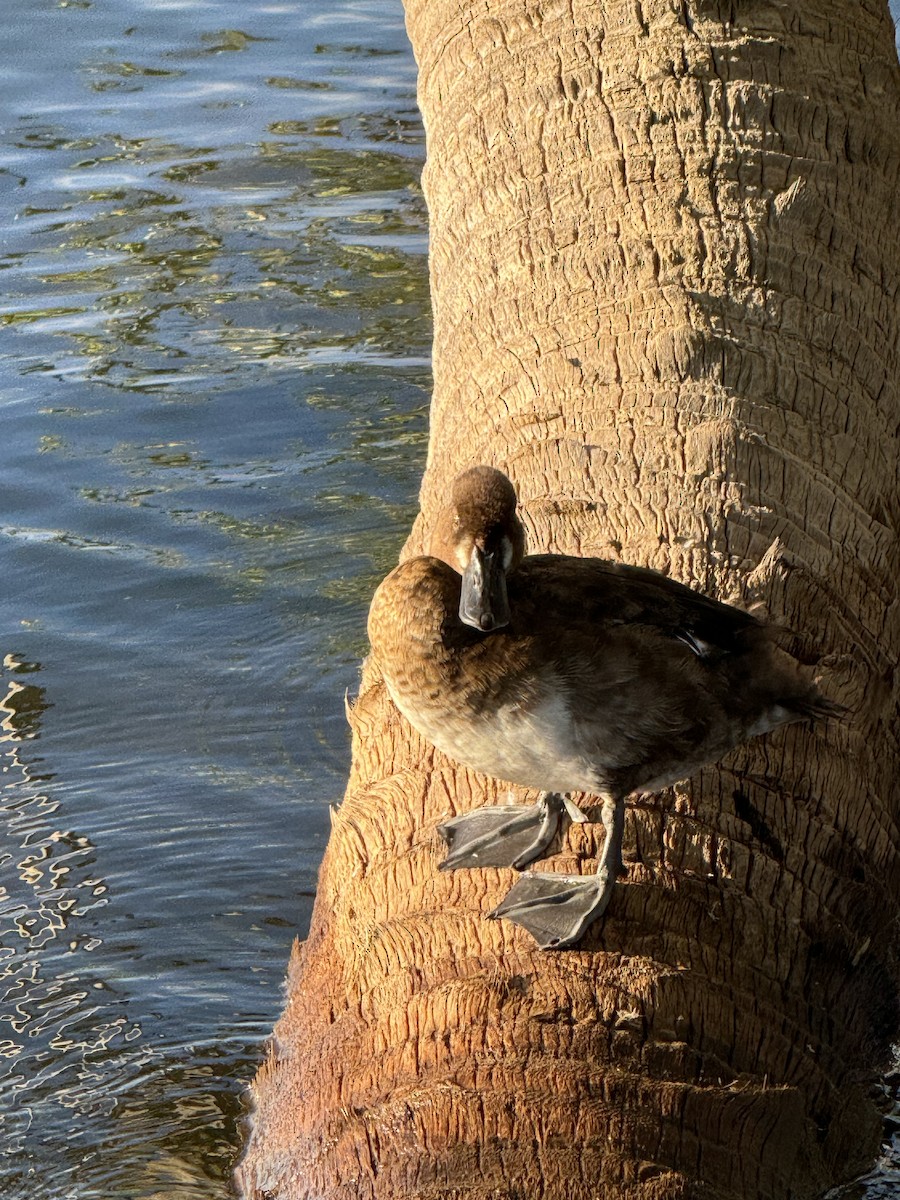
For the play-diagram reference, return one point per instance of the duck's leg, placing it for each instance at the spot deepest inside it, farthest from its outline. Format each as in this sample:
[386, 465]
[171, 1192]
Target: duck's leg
[506, 835]
[557, 909]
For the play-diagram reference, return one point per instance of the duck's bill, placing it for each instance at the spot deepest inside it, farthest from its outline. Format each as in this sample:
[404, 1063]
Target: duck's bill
[483, 602]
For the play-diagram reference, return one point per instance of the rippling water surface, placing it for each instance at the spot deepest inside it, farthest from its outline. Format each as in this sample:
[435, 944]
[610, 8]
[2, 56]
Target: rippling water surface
[213, 378]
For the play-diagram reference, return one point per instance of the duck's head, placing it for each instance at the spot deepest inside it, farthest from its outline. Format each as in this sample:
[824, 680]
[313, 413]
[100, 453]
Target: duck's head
[479, 535]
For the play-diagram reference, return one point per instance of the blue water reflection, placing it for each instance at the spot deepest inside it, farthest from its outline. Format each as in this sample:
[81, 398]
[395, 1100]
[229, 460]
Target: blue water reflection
[214, 376]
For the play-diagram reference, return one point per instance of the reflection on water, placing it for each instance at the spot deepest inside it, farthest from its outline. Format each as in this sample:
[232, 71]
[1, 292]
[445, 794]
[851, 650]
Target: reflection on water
[66, 1040]
[214, 377]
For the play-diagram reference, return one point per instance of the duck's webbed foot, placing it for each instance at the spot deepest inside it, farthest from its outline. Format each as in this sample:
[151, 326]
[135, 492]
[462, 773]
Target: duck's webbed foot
[505, 835]
[557, 909]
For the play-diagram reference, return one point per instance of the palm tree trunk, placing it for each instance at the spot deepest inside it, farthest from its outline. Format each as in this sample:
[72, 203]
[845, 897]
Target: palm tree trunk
[665, 272]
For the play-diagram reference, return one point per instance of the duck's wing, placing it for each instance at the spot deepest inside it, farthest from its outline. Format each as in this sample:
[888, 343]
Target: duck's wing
[591, 590]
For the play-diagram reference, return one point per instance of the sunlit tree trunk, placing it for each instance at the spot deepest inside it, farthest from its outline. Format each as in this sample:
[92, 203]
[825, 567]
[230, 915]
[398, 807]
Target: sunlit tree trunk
[665, 275]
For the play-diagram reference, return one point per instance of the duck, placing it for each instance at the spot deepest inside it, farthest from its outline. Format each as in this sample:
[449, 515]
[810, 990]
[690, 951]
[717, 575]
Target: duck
[567, 675]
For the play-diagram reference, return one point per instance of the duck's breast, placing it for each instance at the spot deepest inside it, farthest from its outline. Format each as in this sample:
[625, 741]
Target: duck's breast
[529, 743]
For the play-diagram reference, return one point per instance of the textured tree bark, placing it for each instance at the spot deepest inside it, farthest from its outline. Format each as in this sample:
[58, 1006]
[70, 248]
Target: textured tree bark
[665, 273]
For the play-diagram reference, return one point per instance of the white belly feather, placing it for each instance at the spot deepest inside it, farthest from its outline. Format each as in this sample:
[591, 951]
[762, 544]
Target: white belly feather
[534, 747]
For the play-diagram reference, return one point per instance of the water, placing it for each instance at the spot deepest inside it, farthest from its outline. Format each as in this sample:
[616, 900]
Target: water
[213, 379]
